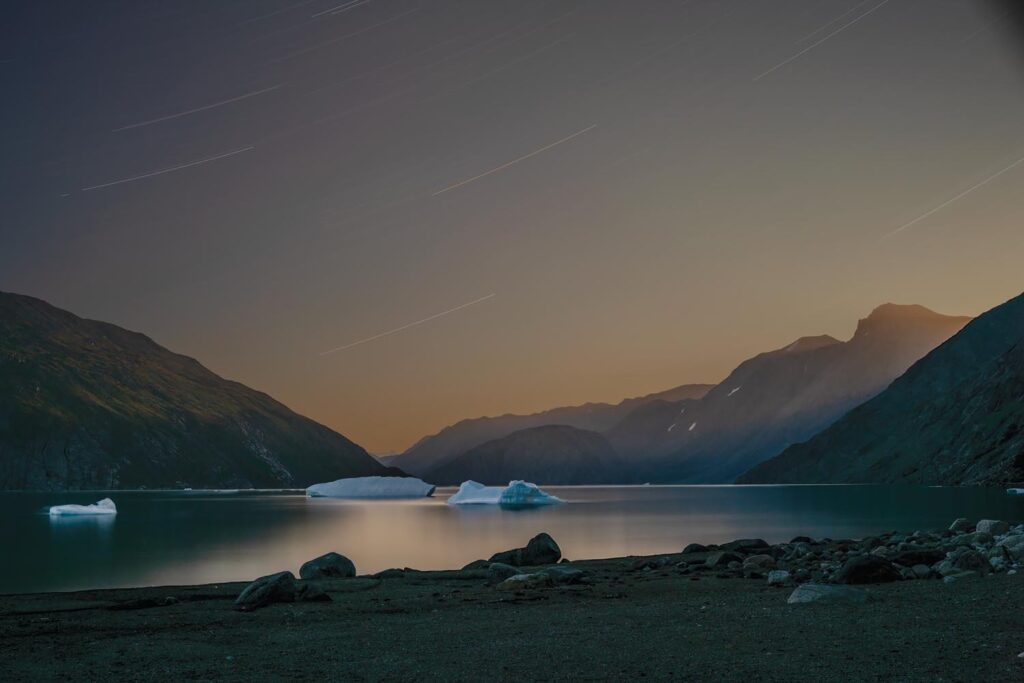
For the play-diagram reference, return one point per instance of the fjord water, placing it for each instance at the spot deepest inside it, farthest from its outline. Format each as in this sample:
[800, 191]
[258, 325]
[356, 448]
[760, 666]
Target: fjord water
[194, 537]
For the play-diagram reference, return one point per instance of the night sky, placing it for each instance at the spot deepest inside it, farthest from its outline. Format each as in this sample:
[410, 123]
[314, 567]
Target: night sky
[485, 207]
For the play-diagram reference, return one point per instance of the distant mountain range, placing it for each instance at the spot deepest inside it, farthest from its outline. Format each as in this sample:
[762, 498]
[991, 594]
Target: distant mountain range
[778, 398]
[88, 405]
[955, 417]
[438, 450]
[695, 434]
[553, 454]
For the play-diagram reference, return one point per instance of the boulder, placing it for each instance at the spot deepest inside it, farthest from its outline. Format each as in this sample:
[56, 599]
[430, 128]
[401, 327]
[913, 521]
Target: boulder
[745, 545]
[541, 549]
[921, 571]
[720, 559]
[329, 566]
[498, 571]
[565, 575]
[759, 562]
[280, 587]
[971, 560]
[477, 564]
[695, 548]
[1015, 545]
[961, 525]
[867, 569]
[928, 556]
[981, 538]
[778, 577]
[802, 539]
[992, 526]
[816, 592]
[525, 582]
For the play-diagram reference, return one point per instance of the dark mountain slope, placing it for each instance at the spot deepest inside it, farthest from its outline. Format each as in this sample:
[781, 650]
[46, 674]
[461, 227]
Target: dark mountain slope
[777, 398]
[553, 454]
[433, 451]
[955, 417]
[86, 404]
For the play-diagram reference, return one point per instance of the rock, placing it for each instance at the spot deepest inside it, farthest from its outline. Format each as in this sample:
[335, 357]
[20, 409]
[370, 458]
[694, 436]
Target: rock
[721, 559]
[695, 548]
[541, 549]
[498, 571]
[565, 575]
[816, 592]
[525, 582]
[778, 577]
[329, 566]
[867, 569]
[280, 587]
[802, 539]
[759, 562]
[477, 564]
[1015, 545]
[921, 571]
[992, 526]
[745, 545]
[960, 525]
[928, 556]
[971, 560]
[980, 538]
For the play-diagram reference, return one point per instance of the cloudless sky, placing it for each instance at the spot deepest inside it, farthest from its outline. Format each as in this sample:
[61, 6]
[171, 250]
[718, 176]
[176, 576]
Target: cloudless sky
[656, 189]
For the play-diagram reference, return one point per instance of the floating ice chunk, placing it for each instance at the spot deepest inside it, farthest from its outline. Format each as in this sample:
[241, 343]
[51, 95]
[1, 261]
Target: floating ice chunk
[372, 487]
[1017, 492]
[692, 427]
[517, 493]
[734, 391]
[103, 507]
[671, 427]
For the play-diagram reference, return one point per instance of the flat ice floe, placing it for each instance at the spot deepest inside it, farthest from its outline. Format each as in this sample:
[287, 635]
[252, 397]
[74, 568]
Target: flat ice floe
[372, 487]
[1016, 492]
[103, 507]
[518, 493]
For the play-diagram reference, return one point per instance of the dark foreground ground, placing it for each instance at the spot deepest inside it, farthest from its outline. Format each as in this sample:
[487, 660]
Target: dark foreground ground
[626, 625]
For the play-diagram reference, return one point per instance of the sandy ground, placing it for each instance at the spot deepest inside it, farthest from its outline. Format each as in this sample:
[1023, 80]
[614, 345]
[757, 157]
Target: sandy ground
[626, 625]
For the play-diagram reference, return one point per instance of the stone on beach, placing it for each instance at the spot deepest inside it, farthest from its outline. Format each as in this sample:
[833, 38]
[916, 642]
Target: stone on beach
[541, 549]
[329, 566]
[274, 588]
[745, 545]
[992, 526]
[721, 559]
[867, 569]
[816, 592]
[778, 577]
[525, 581]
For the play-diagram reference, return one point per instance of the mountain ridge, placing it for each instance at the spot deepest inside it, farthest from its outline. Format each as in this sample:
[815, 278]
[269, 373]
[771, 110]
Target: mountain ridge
[88, 404]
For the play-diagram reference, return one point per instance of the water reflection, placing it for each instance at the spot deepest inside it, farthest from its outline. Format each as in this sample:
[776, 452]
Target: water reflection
[161, 538]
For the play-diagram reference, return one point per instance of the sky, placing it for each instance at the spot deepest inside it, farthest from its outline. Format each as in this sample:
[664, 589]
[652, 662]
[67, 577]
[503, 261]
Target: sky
[394, 214]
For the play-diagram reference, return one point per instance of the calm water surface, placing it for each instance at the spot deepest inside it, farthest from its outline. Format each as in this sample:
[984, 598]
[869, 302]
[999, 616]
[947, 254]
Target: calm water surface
[175, 538]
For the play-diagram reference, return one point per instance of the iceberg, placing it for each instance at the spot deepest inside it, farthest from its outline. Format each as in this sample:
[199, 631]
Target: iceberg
[518, 493]
[372, 487]
[103, 507]
[1016, 492]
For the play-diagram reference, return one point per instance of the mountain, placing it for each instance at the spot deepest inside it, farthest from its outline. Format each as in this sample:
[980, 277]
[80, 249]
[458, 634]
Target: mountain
[955, 417]
[776, 399]
[552, 454]
[451, 442]
[86, 404]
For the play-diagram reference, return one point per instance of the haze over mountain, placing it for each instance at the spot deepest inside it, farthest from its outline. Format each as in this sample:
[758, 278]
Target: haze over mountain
[86, 404]
[778, 398]
[955, 417]
[451, 442]
[553, 454]
[767, 403]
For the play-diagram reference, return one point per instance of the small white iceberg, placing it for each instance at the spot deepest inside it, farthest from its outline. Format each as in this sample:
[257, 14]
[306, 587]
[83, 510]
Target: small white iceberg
[517, 494]
[372, 487]
[1016, 492]
[103, 507]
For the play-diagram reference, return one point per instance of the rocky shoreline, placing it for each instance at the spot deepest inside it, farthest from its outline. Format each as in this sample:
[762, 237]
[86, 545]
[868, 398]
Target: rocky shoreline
[924, 606]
